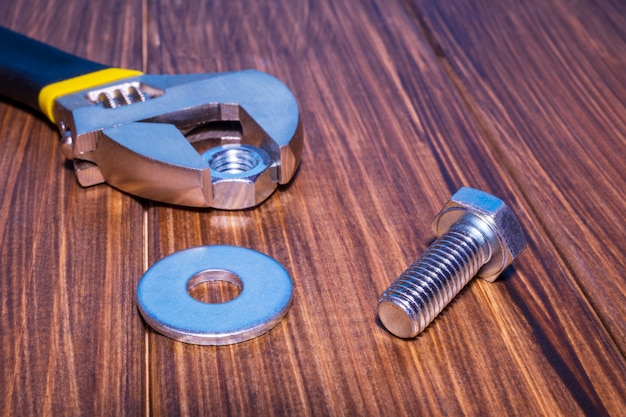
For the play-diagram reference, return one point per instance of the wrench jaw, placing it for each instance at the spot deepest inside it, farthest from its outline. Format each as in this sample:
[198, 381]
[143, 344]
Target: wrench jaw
[290, 155]
[154, 161]
[205, 140]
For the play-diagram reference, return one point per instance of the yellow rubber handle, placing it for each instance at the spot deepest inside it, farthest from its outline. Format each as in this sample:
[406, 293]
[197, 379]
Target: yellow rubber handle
[49, 93]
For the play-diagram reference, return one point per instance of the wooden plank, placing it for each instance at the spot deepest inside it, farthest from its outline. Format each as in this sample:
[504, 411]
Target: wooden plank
[387, 140]
[548, 81]
[72, 341]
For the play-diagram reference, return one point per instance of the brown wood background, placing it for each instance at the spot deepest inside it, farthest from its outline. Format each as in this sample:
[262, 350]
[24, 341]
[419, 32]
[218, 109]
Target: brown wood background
[403, 102]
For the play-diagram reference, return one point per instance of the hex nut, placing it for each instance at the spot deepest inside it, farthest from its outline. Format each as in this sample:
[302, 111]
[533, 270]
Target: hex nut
[242, 176]
[505, 234]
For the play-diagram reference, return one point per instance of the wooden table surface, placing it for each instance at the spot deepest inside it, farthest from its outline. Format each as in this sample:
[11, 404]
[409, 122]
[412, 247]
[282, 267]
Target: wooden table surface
[402, 102]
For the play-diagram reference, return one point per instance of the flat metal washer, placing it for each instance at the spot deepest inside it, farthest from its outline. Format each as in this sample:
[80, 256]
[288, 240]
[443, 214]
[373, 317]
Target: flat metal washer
[166, 305]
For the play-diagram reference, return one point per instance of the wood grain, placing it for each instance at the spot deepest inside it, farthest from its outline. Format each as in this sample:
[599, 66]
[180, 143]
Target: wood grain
[70, 258]
[402, 103]
[548, 81]
[388, 138]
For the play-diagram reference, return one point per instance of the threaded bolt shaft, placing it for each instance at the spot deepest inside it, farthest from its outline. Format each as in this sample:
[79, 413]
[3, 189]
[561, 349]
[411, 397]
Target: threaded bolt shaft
[431, 282]
[470, 242]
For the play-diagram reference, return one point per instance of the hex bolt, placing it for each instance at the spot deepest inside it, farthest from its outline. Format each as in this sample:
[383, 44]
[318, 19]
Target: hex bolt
[478, 234]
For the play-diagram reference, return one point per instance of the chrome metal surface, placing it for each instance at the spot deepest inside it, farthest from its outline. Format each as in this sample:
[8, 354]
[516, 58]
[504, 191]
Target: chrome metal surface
[166, 305]
[146, 136]
[241, 175]
[478, 235]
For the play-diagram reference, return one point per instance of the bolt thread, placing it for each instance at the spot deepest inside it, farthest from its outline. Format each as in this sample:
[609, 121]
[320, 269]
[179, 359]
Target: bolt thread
[431, 282]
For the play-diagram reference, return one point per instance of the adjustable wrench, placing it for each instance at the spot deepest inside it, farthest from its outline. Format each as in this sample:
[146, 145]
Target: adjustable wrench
[222, 140]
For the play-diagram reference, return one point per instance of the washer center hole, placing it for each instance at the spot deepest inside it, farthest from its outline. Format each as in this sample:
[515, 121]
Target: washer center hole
[214, 286]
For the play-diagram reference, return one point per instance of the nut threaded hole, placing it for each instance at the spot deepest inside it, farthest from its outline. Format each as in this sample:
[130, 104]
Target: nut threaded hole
[234, 161]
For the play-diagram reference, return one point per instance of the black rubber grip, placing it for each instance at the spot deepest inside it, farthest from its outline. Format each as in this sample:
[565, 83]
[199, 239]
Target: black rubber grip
[27, 65]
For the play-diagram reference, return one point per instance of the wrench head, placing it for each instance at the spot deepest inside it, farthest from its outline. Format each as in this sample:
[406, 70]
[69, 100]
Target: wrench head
[204, 140]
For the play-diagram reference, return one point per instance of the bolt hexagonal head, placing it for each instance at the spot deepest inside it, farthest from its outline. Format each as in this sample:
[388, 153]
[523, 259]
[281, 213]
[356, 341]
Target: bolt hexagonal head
[493, 218]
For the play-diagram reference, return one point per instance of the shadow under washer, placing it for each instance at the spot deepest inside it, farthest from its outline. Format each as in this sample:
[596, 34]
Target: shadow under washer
[165, 303]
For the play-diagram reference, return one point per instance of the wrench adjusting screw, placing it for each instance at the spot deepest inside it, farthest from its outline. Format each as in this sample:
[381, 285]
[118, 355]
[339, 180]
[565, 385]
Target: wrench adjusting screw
[478, 234]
